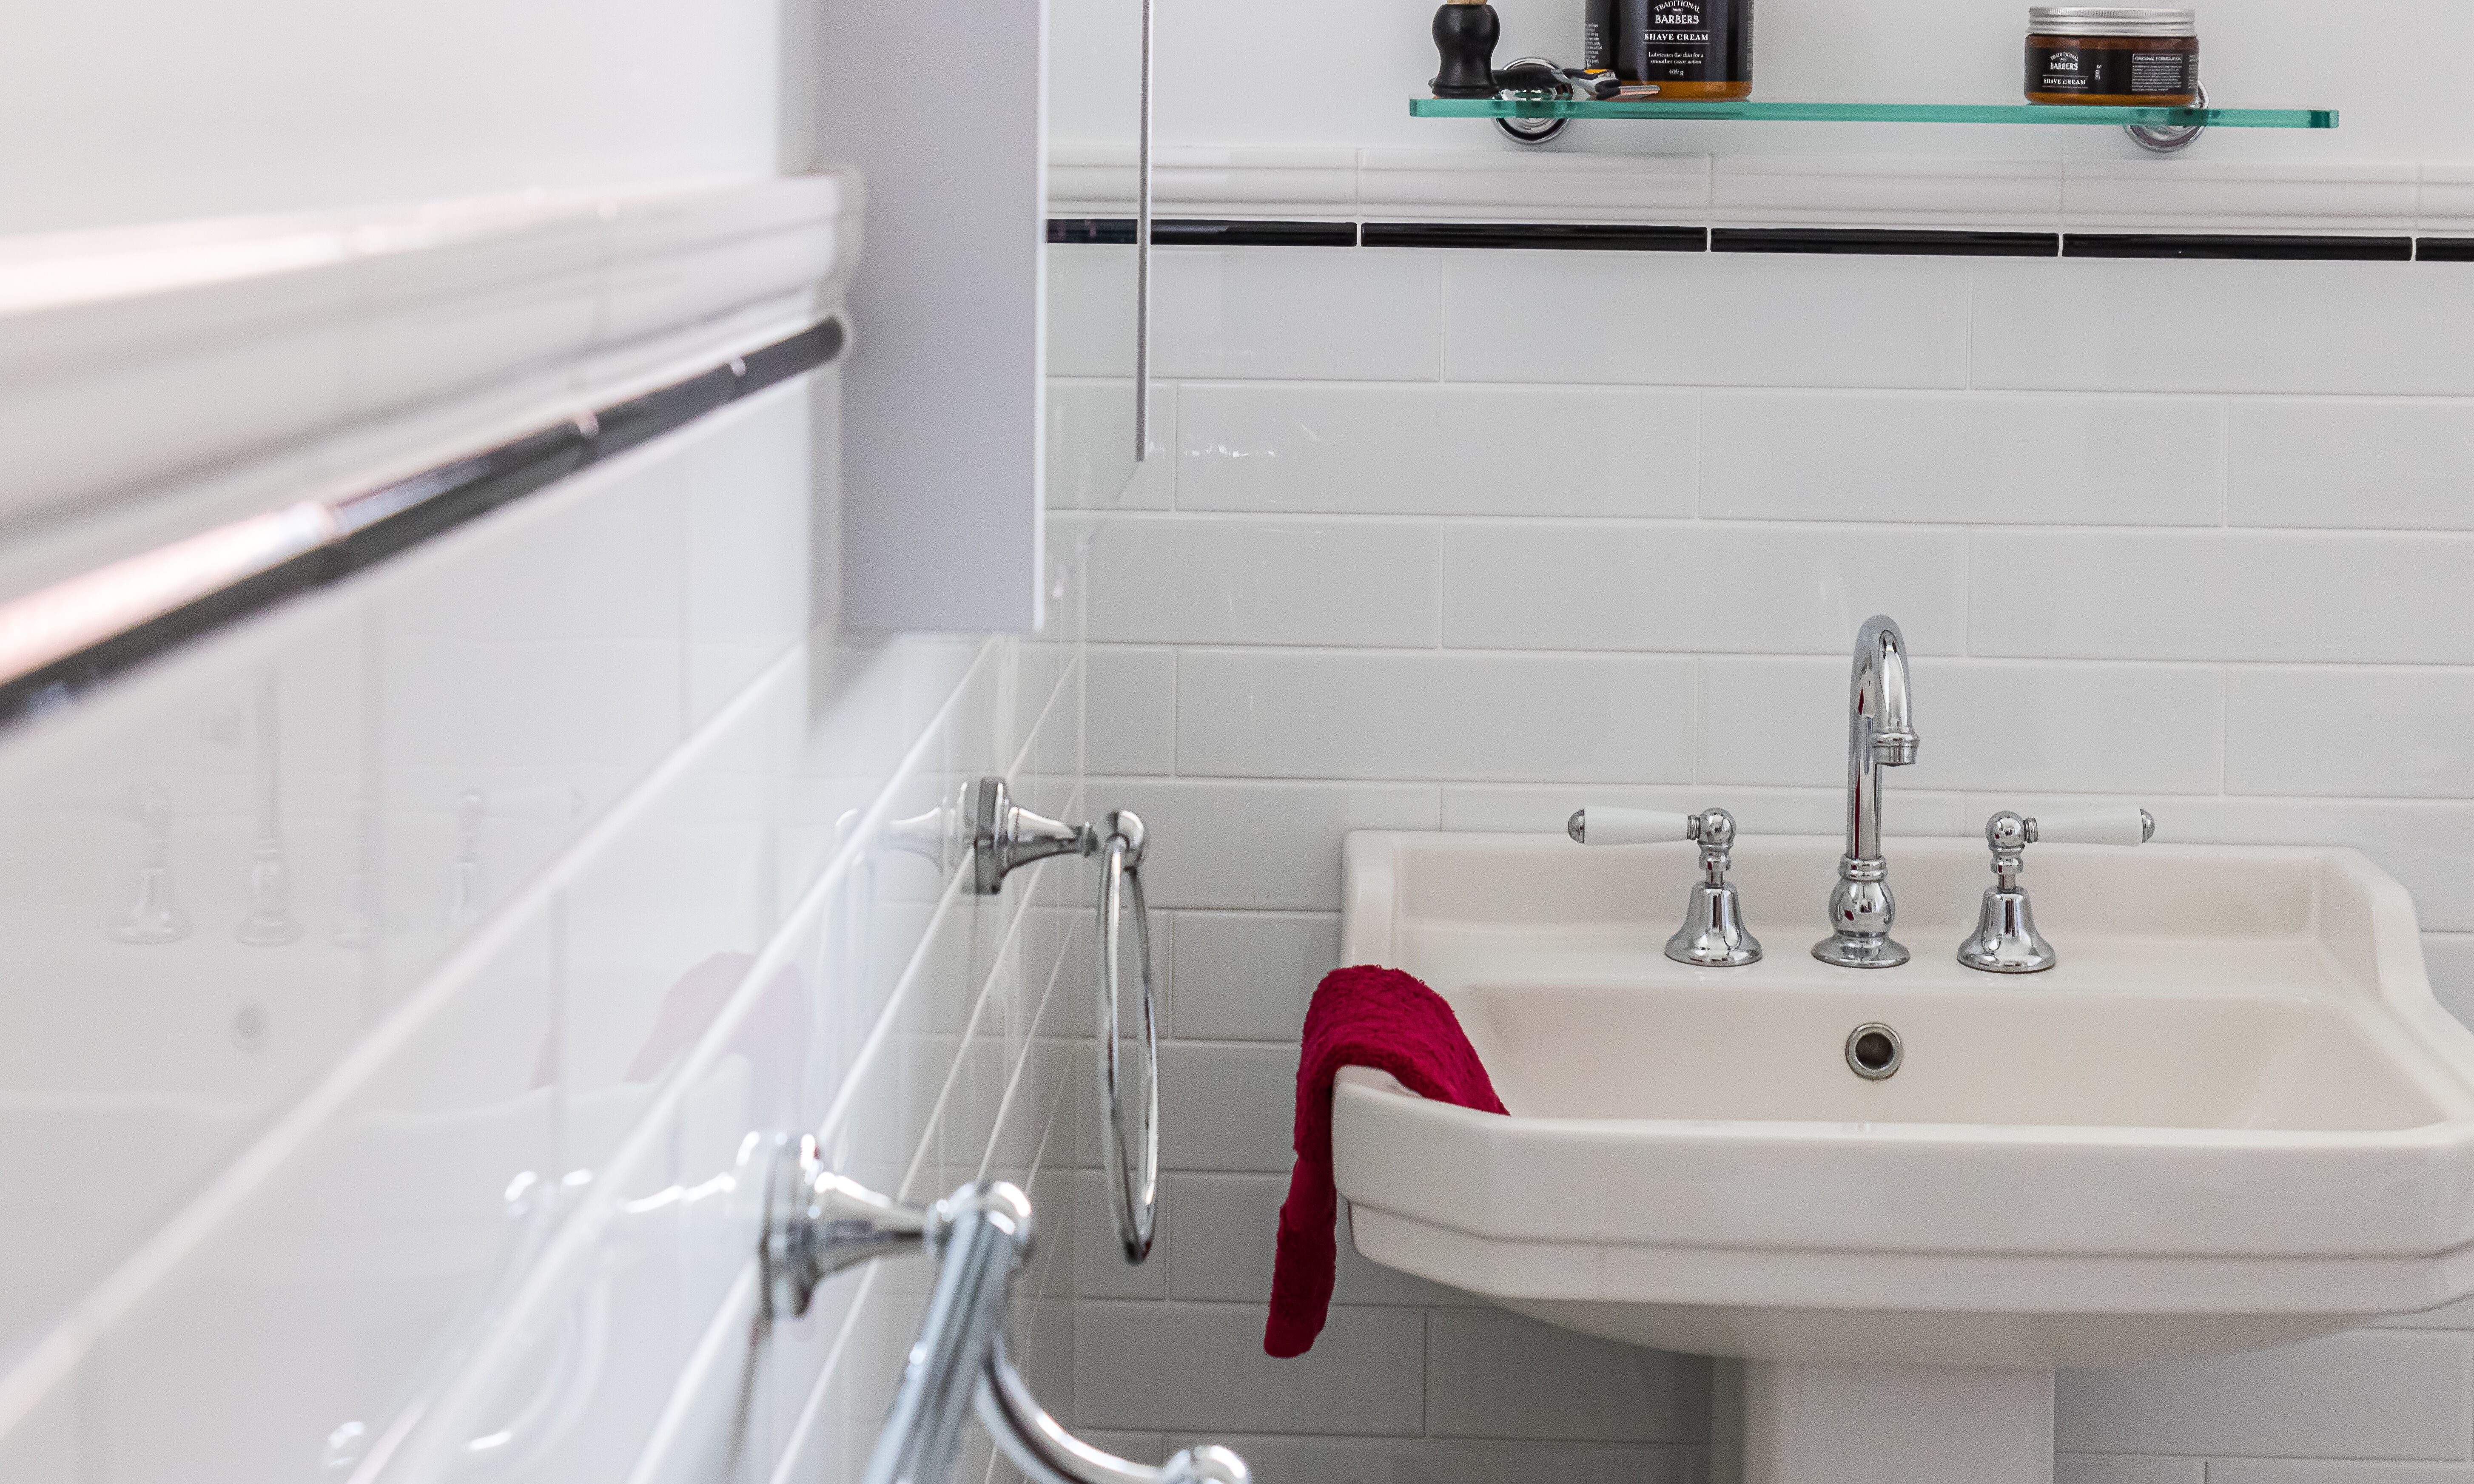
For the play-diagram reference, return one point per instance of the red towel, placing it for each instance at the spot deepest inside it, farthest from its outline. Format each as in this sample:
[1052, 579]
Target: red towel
[1361, 1017]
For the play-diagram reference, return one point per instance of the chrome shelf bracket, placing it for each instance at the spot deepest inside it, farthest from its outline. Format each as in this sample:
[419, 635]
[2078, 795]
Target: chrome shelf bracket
[818, 1223]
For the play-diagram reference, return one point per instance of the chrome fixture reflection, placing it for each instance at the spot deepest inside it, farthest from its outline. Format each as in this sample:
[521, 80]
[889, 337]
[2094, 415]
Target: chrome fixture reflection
[358, 926]
[153, 912]
[818, 1223]
[1713, 934]
[464, 880]
[270, 923]
[1881, 733]
[2006, 940]
[1005, 836]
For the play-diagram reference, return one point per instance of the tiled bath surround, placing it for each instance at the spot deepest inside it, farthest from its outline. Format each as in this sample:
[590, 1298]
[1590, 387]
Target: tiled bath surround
[1464, 538]
[584, 812]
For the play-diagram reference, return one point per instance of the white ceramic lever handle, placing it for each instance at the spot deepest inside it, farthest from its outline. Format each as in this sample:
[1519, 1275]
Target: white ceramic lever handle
[2118, 825]
[1627, 826]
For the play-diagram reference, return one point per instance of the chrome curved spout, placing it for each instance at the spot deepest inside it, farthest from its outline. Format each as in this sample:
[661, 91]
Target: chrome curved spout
[1881, 733]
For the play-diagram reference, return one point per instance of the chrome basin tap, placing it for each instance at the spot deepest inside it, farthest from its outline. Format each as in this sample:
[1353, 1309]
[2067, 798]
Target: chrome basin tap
[1881, 733]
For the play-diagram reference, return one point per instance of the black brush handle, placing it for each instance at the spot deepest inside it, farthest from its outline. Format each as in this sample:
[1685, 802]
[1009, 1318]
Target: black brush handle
[1464, 36]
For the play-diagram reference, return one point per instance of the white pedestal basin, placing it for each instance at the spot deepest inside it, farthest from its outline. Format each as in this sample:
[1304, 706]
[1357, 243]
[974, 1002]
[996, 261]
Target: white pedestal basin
[2232, 1117]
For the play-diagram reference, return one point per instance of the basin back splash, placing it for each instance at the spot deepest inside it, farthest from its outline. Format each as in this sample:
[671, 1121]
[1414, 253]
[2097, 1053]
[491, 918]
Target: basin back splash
[1465, 537]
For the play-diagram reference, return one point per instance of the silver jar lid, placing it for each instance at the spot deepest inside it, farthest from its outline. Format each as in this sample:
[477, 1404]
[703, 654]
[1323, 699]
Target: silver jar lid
[2108, 21]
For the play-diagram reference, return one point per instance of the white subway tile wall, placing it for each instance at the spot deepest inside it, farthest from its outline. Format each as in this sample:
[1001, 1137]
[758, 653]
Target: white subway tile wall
[1562, 528]
[588, 820]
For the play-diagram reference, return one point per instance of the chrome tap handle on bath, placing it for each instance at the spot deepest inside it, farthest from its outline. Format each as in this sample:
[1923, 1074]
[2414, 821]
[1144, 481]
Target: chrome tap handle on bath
[1881, 733]
[2006, 940]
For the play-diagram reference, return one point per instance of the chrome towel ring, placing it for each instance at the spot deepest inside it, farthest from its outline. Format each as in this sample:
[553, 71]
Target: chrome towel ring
[818, 1223]
[1003, 836]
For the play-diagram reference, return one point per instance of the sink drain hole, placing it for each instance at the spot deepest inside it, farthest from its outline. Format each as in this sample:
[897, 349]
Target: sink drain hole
[1873, 1051]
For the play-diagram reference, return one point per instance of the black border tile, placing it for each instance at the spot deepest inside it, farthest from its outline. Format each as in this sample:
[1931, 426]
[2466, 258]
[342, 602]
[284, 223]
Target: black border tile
[1201, 233]
[640, 419]
[2443, 249]
[1097, 230]
[2237, 245]
[1599, 236]
[1877, 240]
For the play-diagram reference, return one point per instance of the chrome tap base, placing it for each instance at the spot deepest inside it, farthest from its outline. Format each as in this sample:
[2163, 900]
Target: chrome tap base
[1862, 909]
[1851, 952]
[2005, 941]
[1713, 935]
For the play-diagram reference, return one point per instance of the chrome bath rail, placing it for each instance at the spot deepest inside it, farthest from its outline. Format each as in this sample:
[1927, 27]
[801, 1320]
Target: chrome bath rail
[817, 1223]
[59, 641]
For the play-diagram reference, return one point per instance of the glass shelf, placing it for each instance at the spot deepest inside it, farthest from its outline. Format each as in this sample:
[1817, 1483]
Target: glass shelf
[1883, 113]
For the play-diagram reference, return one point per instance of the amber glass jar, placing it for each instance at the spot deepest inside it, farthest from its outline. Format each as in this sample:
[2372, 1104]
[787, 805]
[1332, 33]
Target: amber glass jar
[1685, 49]
[2113, 56]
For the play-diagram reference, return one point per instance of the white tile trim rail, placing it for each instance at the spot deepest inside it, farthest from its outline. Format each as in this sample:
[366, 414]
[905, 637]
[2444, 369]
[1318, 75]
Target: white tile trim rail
[1724, 190]
[134, 359]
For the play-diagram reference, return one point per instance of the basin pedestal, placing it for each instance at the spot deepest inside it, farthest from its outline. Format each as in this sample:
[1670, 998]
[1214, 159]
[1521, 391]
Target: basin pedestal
[1815, 1424]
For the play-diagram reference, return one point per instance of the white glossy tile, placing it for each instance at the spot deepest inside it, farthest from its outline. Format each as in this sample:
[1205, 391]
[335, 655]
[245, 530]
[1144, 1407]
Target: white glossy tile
[2374, 1393]
[2299, 1470]
[1091, 316]
[1435, 450]
[1259, 846]
[1198, 580]
[2272, 597]
[1226, 1254]
[48, 1440]
[2447, 199]
[2219, 195]
[1228, 1108]
[1424, 714]
[1310, 181]
[1248, 975]
[1496, 185]
[1987, 724]
[1994, 459]
[2300, 327]
[1274, 181]
[336, 1287]
[2405, 736]
[751, 570]
[1854, 190]
[2352, 462]
[2097, 1469]
[1090, 445]
[1707, 319]
[1680, 588]
[1133, 709]
[533, 670]
[1492, 1374]
[1201, 1367]
[1446, 1461]
[1331, 314]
